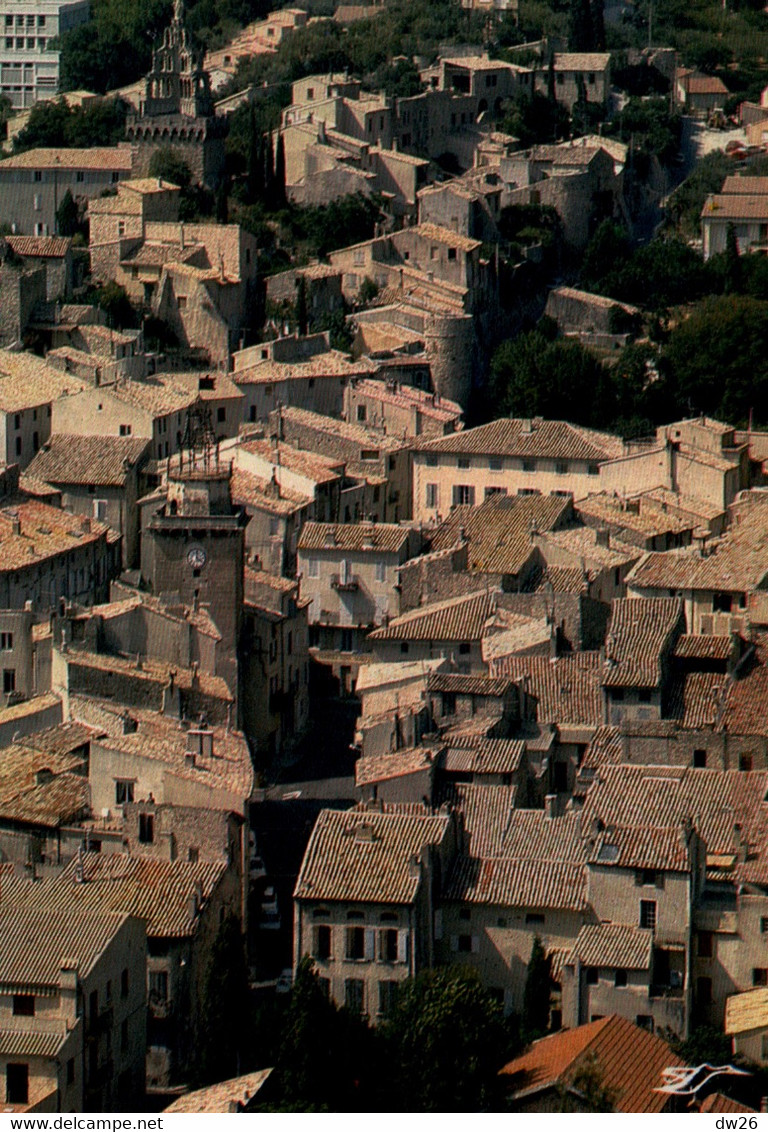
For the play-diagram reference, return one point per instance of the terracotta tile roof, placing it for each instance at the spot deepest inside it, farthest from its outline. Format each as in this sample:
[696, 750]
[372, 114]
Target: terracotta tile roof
[641, 632]
[746, 1011]
[331, 429]
[322, 469]
[486, 813]
[331, 364]
[32, 1043]
[514, 883]
[465, 685]
[160, 892]
[27, 382]
[409, 397]
[361, 855]
[662, 797]
[614, 945]
[380, 768]
[159, 396]
[45, 533]
[583, 543]
[568, 690]
[499, 530]
[703, 647]
[62, 739]
[47, 246]
[642, 846]
[99, 157]
[36, 938]
[445, 236]
[155, 672]
[642, 514]
[564, 580]
[252, 491]
[36, 704]
[705, 84]
[100, 460]
[458, 619]
[553, 440]
[631, 1061]
[218, 1098]
[376, 538]
[749, 185]
[735, 207]
[604, 747]
[717, 1102]
[475, 754]
[531, 834]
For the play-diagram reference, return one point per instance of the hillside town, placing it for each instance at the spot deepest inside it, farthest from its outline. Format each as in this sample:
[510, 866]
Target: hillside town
[383, 559]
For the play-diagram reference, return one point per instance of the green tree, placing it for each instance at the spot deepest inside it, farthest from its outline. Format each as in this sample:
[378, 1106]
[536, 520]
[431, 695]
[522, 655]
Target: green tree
[222, 202]
[280, 176]
[538, 991]
[447, 1040]
[67, 216]
[113, 300]
[733, 279]
[222, 1046]
[586, 1090]
[169, 164]
[302, 316]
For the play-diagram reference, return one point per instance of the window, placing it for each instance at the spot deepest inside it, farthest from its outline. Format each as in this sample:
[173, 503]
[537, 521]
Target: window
[17, 1083]
[181, 302]
[591, 976]
[593, 469]
[699, 757]
[644, 695]
[146, 828]
[24, 1005]
[495, 463]
[274, 526]
[6, 641]
[463, 495]
[495, 491]
[703, 990]
[121, 227]
[361, 411]
[100, 510]
[321, 946]
[431, 460]
[313, 568]
[721, 603]
[193, 855]
[432, 495]
[617, 694]
[464, 943]
[462, 462]
[38, 175]
[705, 945]
[388, 945]
[529, 465]
[221, 414]
[561, 467]
[158, 986]
[763, 925]
[760, 976]
[9, 680]
[387, 996]
[745, 762]
[451, 253]
[124, 983]
[355, 943]
[353, 995]
[648, 914]
[534, 918]
[620, 977]
[381, 571]
[645, 1022]
[123, 791]
[126, 429]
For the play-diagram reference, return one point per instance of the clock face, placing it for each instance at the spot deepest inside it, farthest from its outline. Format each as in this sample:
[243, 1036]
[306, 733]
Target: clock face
[196, 557]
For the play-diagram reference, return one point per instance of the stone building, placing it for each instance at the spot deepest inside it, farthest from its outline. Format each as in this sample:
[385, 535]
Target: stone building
[33, 184]
[72, 1004]
[54, 253]
[29, 388]
[176, 110]
[98, 476]
[400, 410]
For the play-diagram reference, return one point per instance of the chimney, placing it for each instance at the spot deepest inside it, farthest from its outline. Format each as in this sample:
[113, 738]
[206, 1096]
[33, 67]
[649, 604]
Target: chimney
[526, 426]
[550, 806]
[414, 867]
[603, 537]
[85, 524]
[16, 525]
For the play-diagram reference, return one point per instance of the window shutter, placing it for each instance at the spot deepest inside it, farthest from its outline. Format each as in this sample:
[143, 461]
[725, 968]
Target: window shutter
[439, 924]
[370, 943]
[402, 946]
[475, 944]
[659, 880]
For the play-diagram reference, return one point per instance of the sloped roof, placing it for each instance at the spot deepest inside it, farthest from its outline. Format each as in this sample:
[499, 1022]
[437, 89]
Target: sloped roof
[554, 440]
[36, 938]
[515, 883]
[499, 529]
[100, 460]
[631, 1061]
[747, 1011]
[568, 689]
[376, 538]
[641, 631]
[363, 855]
[458, 619]
[614, 945]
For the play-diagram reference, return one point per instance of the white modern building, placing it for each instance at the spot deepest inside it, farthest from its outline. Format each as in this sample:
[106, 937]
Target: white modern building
[29, 69]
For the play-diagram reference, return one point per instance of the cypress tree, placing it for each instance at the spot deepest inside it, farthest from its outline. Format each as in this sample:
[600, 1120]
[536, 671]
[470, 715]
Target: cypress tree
[538, 984]
[280, 194]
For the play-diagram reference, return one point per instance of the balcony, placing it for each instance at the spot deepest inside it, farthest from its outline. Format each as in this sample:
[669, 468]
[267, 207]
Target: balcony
[346, 583]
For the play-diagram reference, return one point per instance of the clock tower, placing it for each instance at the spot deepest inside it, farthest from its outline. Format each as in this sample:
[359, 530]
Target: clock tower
[193, 537]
